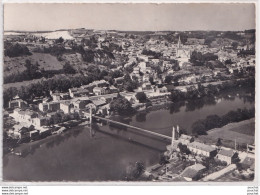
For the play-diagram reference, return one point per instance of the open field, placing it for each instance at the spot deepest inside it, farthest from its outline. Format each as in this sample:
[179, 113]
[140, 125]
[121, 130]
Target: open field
[45, 61]
[247, 129]
[242, 132]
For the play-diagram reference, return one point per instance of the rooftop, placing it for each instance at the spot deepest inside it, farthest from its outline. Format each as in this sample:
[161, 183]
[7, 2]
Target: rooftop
[201, 146]
[228, 153]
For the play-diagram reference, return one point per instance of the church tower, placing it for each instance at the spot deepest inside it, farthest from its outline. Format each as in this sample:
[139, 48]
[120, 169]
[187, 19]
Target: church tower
[179, 43]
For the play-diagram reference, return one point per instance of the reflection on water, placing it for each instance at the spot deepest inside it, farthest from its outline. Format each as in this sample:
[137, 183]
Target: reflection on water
[103, 151]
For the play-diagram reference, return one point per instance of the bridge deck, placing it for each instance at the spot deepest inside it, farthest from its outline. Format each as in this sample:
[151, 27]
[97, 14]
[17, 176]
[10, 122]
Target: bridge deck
[133, 127]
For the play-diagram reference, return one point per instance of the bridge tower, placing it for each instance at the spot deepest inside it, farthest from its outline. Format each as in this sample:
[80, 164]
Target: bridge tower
[178, 132]
[90, 116]
[173, 135]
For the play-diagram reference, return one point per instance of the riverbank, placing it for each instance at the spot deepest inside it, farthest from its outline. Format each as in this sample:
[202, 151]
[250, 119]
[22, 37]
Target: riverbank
[56, 130]
[240, 132]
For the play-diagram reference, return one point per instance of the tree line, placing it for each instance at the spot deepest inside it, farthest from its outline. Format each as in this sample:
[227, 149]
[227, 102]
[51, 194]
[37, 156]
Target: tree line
[212, 90]
[201, 126]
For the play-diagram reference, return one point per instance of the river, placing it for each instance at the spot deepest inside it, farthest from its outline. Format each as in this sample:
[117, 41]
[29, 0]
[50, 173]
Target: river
[102, 153]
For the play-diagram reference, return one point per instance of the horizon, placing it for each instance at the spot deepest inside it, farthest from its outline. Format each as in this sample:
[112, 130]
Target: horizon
[43, 31]
[123, 16]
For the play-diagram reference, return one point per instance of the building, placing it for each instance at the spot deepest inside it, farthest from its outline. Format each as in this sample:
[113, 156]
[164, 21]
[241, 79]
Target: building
[17, 103]
[80, 104]
[66, 107]
[60, 96]
[162, 90]
[193, 172]
[41, 121]
[21, 131]
[251, 149]
[100, 90]
[56, 96]
[185, 139]
[49, 106]
[226, 155]
[113, 89]
[202, 149]
[78, 92]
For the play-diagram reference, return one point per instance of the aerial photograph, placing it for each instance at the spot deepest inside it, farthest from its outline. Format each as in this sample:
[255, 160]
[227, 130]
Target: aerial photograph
[122, 92]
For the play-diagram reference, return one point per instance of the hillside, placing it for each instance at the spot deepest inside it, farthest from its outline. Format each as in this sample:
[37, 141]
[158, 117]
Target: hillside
[45, 61]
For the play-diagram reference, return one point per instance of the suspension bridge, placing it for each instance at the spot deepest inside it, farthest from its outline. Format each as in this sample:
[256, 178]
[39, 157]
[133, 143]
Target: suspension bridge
[132, 127]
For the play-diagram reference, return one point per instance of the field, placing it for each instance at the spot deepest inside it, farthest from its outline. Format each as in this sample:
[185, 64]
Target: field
[247, 129]
[45, 61]
[242, 132]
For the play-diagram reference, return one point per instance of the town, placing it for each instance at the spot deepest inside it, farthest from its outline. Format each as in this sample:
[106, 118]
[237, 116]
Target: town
[56, 80]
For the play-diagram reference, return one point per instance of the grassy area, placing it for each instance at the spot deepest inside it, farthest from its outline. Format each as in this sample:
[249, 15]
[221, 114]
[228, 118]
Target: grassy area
[242, 132]
[16, 64]
[247, 129]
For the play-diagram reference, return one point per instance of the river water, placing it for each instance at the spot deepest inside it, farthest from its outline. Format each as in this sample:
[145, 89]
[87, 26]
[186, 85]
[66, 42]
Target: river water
[102, 153]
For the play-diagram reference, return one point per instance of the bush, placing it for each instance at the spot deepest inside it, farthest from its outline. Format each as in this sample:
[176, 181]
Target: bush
[141, 97]
[15, 50]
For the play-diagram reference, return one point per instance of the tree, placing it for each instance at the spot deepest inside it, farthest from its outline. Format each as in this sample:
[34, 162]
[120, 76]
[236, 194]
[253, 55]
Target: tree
[163, 159]
[199, 128]
[219, 142]
[234, 45]
[134, 171]
[15, 50]
[59, 40]
[141, 97]
[68, 69]
[121, 105]
[168, 79]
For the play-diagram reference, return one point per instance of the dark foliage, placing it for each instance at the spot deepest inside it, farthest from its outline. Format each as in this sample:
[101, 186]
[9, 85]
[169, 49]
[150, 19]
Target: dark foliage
[15, 50]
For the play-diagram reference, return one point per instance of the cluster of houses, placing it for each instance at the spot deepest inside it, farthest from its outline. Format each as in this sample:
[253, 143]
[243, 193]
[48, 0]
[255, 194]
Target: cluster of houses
[196, 171]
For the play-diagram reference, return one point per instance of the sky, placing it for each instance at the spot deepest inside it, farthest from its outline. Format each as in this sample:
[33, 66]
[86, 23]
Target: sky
[129, 17]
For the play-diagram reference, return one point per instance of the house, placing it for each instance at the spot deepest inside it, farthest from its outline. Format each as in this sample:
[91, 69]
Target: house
[162, 90]
[136, 71]
[66, 107]
[142, 66]
[226, 155]
[49, 106]
[193, 172]
[99, 90]
[17, 103]
[64, 96]
[100, 83]
[185, 139]
[34, 134]
[202, 149]
[80, 104]
[104, 110]
[29, 115]
[146, 86]
[43, 107]
[41, 121]
[99, 102]
[22, 131]
[78, 92]
[119, 80]
[113, 89]
[56, 96]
